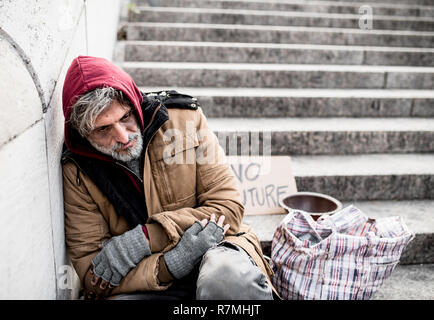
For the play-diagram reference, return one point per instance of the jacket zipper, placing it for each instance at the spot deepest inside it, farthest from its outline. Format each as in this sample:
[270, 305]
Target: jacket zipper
[129, 170]
[152, 118]
[146, 149]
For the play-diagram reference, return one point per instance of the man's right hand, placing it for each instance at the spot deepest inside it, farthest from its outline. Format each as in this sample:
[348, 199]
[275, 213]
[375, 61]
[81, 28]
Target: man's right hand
[196, 240]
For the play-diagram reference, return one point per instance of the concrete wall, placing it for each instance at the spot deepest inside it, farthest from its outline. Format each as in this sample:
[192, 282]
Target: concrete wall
[38, 41]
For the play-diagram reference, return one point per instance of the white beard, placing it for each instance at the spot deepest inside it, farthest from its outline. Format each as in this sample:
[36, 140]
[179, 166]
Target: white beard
[129, 154]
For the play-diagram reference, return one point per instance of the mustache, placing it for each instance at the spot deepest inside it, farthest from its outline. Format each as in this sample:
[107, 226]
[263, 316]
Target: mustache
[131, 137]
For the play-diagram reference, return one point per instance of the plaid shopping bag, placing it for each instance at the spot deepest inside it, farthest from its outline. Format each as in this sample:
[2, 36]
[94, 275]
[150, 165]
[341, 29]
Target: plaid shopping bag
[345, 256]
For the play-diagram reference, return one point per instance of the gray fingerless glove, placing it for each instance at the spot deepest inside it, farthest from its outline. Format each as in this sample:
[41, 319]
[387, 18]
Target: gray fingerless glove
[194, 243]
[120, 254]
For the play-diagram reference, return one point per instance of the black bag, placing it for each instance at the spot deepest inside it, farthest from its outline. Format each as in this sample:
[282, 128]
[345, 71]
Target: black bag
[174, 99]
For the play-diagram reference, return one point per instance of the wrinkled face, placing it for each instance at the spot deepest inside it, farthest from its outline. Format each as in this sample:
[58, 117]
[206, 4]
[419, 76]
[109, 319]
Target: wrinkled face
[117, 133]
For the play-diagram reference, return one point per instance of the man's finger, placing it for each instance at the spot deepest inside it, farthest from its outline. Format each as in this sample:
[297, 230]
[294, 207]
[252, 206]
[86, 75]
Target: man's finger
[226, 228]
[204, 222]
[212, 217]
[103, 284]
[94, 280]
[220, 221]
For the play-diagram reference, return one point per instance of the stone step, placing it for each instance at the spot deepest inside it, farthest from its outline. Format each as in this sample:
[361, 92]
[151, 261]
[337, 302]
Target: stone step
[417, 214]
[408, 282]
[258, 102]
[250, 75]
[232, 52]
[326, 136]
[367, 177]
[275, 34]
[419, 2]
[390, 9]
[368, 2]
[277, 18]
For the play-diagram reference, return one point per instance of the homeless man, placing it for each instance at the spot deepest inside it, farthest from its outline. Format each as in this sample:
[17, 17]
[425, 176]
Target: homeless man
[137, 225]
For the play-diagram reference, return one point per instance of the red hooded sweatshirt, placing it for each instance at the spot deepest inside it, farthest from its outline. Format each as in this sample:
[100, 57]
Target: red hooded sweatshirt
[85, 74]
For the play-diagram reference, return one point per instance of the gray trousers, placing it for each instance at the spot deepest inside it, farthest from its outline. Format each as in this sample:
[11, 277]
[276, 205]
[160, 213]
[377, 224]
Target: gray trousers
[226, 272]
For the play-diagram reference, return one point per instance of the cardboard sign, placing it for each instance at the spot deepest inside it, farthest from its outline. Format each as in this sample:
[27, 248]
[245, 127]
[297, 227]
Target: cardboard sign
[262, 182]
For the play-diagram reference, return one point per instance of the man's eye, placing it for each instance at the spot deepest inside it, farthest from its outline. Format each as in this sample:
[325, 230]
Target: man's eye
[126, 116]
[102, 129]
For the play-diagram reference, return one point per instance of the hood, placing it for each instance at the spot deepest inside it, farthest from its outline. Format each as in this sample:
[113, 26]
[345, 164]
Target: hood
[85, 74]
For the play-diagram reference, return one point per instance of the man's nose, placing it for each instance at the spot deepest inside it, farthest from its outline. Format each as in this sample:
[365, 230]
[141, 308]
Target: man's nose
[121, 134]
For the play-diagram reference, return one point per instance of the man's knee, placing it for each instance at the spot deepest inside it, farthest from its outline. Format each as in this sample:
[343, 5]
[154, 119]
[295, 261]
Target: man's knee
[229, 273]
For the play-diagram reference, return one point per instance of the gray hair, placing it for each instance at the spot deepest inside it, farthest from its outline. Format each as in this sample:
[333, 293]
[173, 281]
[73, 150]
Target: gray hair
[87, 108]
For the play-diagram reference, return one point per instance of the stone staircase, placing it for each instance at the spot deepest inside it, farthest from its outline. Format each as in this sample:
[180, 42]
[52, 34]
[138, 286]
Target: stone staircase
[353, 108]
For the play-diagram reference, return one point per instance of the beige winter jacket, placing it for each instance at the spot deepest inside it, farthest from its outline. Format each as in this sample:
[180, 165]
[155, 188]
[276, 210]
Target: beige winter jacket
[176, 196]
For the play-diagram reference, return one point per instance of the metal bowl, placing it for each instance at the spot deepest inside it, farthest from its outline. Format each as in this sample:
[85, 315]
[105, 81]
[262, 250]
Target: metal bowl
[317, 204]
